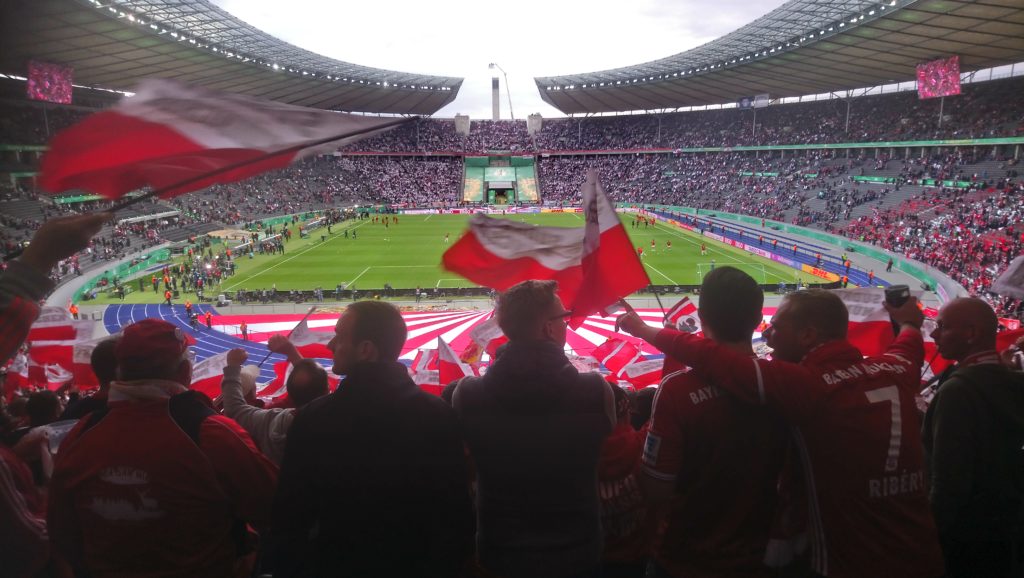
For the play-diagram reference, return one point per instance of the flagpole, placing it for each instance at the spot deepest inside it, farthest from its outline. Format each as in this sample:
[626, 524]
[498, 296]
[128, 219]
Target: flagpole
[124, 204]
[308, 313]
[664, 314]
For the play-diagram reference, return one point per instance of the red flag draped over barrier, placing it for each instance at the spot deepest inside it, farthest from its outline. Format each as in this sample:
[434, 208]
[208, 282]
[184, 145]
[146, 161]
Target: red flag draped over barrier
[179, 138]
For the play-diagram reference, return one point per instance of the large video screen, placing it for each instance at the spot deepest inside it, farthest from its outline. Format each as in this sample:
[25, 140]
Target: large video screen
[938, 78]
[49, 82]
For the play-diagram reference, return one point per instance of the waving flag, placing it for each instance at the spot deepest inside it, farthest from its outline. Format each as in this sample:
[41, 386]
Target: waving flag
[594, 265]
[208, 373]
[681, 311]
[311, 343]
[611, 270]
[449, 366]
[642, 373]
[178, 138]
[615, 354]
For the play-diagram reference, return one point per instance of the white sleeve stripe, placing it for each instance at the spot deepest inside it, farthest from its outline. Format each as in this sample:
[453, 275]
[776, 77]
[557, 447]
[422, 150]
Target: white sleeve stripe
[760, 382]
[658, 475]
[897, 356]
[18, 505]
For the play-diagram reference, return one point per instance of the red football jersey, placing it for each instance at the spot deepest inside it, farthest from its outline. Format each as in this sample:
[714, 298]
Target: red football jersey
[724, 457]
[859, 437]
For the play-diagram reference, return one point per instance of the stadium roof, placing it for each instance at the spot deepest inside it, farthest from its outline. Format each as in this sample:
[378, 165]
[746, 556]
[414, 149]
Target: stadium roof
[805, 47]
[115, 43]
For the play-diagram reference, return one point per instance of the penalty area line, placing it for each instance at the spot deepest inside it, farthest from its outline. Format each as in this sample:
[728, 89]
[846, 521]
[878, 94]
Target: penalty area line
[656, 270]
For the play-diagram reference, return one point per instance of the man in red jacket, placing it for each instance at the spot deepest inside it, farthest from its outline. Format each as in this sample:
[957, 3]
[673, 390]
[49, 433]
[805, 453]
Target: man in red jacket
[157, 484]
[855, 423]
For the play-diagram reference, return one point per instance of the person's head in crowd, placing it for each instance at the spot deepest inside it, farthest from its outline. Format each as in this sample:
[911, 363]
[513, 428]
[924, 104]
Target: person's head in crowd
[153, 349]
[965, 326]
[643, 405]
[731, 306]
[307, 382]
[623, 403]
[367, 332]
[804, 320]
[104, 361]
[43, 407]
[17, 411]
[532, 311]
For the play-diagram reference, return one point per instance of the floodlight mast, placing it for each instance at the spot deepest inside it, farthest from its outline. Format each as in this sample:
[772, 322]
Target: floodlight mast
[492, 66]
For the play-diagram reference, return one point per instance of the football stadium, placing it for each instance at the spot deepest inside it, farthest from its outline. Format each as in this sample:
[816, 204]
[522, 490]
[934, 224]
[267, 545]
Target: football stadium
[739, 295]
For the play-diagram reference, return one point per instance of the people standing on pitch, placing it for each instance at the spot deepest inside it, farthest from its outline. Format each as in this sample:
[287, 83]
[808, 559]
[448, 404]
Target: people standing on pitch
[973, 436]
[717, 522]
[374, 478]
[534, 427]
[855, 425]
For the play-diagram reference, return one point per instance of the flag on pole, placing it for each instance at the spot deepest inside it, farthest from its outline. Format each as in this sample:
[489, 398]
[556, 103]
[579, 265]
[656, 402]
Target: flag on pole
[499, 253]
[449, 366]
[680, 311]
[311, 343]
[208, 373]
[179, 138]
[611, 270]
[615, 354]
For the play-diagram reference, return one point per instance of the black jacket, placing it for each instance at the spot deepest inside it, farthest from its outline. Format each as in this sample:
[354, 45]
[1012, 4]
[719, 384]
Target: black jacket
[373, 483]
[974, 439]
[534, 427]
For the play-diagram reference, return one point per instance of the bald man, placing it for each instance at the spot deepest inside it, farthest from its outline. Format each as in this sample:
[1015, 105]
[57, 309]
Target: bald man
[974, 441]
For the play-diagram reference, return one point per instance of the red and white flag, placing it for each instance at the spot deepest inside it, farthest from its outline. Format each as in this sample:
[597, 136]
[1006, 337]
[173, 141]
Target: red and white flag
[594, 265]
[449, 366]
[615, 354]
[642, 373]
[611, 270]
[425, 371]
[488, 335]
[311, 343]
[208, 373]
[680, 312]
[180, 138]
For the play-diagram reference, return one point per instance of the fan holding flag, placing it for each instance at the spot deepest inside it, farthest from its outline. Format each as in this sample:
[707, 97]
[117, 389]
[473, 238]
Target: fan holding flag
[594, 265]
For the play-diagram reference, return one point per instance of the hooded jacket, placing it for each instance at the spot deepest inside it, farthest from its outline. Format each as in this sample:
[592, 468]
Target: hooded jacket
[534, 426]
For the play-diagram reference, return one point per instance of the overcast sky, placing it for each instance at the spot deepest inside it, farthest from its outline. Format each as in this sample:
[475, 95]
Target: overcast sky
[527, 38]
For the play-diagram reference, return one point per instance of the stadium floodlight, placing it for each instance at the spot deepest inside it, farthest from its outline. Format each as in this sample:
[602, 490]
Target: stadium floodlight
[494, 65]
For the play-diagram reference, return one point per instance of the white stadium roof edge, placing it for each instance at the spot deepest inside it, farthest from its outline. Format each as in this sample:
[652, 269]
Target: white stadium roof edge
[112, 44]
[805, 47]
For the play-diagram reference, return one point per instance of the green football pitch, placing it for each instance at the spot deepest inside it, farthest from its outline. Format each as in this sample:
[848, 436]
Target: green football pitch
[408, 254]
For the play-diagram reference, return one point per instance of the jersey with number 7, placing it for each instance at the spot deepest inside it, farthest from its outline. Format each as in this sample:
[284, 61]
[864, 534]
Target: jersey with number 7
[859, 437]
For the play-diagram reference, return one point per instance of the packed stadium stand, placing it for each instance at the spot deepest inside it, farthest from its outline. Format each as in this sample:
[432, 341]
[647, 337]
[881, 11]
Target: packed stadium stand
[804, 128]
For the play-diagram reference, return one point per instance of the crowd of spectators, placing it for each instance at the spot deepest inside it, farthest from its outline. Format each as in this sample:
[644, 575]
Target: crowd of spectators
[812, 188]
[34, 123]
[983, 110]
[969, 235]
[534, 469]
